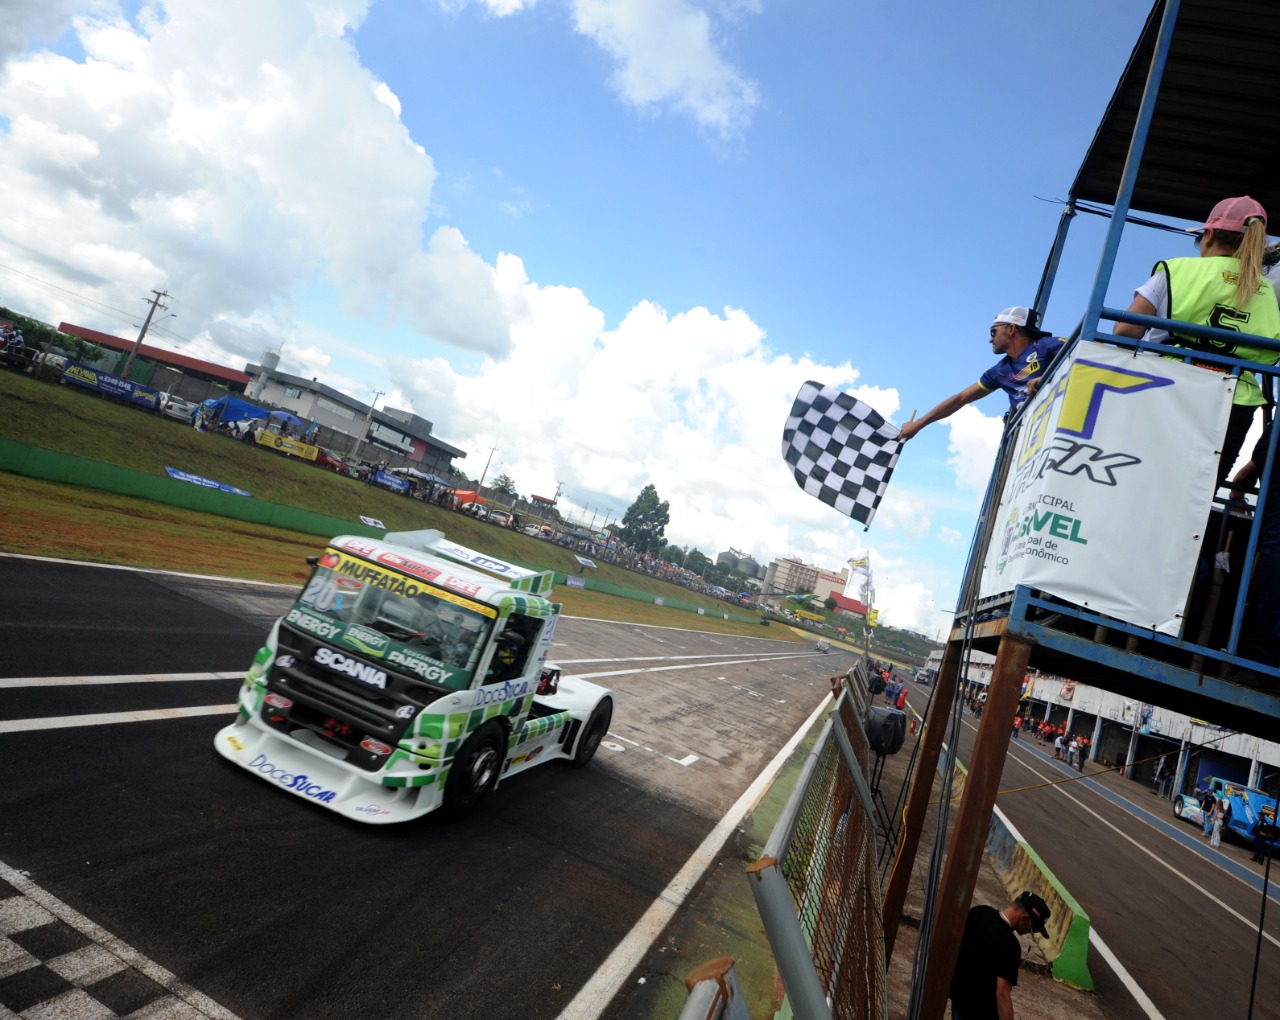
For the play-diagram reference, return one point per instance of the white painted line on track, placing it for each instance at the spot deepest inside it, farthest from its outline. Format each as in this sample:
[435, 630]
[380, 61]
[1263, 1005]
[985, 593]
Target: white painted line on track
[1140, 997]
[1057, 788]
[75, 681]
[664, 669]
[594, 996]
[148, 570]
[713, 634]
[198, 1001]
[669, 658]
[1140, 814]
[686, 761]
[1126, 979]
[65, 722]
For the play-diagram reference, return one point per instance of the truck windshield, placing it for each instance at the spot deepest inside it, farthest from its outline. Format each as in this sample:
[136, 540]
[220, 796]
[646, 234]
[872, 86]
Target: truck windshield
[405, 622]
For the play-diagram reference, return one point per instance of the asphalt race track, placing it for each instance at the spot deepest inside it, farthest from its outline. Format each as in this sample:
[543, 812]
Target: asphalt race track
[116, 812]
[1181, 917]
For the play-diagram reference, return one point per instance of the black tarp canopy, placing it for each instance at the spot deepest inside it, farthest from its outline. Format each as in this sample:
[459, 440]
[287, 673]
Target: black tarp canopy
[1216, 127]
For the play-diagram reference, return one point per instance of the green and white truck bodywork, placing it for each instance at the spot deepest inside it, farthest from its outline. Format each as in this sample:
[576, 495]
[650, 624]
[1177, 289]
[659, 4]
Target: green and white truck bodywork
[411, 674]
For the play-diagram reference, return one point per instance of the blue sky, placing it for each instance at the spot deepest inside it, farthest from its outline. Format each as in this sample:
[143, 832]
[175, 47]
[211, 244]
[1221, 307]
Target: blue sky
[607, 238]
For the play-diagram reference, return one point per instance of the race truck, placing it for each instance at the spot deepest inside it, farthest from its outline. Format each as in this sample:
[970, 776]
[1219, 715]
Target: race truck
[1245, 807]
[409, 675]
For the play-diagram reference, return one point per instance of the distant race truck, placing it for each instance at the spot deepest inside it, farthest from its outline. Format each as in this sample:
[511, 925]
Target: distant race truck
[410, 675]
[1246, 807]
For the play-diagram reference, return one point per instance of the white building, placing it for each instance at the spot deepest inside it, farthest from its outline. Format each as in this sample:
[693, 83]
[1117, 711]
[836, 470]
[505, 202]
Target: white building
[397, 431]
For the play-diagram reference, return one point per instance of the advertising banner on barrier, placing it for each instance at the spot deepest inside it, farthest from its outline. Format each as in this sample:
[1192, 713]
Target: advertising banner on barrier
[293, 447]
[1110, 484]
[110, 385]
[389, 481]
[208, 483]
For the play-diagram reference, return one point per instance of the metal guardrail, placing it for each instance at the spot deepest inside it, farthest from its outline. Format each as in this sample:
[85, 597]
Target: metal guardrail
[715, 993]
[816, 884]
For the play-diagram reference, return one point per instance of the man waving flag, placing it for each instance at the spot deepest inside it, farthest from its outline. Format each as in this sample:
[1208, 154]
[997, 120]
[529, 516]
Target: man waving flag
[841, 450]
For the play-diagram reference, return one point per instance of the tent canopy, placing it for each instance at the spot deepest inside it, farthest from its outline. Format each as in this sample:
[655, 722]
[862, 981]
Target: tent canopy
[230, 409]
[422, 476]
[469, 496]
[286, 416]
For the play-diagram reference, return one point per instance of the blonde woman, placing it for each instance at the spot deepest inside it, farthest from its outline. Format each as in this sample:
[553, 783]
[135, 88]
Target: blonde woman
[1224, 288]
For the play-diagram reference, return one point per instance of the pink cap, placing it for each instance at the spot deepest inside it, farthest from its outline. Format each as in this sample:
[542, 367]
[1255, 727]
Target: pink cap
[1234, 214]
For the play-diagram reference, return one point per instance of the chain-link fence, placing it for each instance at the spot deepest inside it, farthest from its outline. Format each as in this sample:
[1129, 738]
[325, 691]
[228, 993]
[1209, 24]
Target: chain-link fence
[816, 884]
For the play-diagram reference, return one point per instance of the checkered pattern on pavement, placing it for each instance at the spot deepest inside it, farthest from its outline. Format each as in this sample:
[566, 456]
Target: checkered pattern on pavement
[49, 970]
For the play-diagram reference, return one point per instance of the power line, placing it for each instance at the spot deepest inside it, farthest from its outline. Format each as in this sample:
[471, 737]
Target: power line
[81, 298]
[195, 345]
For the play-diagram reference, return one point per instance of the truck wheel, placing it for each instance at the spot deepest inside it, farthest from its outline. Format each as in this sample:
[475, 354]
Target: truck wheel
[475, 770]
[592, 733]
[1178, 810]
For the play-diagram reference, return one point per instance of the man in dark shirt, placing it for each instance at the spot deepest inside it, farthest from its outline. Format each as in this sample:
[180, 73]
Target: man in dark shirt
[987, 967]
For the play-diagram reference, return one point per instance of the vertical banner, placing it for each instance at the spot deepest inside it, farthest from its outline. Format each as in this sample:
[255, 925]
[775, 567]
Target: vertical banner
[1109, 489]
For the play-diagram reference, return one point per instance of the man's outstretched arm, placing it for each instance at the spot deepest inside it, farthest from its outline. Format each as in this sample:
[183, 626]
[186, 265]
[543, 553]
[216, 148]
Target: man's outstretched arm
[945, 409]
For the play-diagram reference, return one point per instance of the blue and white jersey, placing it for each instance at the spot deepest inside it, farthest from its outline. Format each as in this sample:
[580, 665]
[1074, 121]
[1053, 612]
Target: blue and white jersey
[1013, 374]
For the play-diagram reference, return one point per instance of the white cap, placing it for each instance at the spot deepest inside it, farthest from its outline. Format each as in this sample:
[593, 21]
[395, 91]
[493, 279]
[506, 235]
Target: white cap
[1020, 315]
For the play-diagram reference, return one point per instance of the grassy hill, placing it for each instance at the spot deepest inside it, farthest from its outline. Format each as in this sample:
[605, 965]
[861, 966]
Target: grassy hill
[40, 518]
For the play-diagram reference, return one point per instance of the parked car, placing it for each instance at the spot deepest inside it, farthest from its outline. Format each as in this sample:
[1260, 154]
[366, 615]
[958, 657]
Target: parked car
[329, 459]
[177, 408]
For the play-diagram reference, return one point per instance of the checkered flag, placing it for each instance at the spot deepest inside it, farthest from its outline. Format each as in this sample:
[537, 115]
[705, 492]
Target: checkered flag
[840, 449]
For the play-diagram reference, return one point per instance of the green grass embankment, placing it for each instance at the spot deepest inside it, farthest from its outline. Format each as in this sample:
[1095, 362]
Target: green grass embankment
[46, 519]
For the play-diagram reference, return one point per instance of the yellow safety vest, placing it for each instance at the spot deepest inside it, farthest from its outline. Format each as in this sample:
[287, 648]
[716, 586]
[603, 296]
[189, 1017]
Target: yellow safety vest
[1200, 291]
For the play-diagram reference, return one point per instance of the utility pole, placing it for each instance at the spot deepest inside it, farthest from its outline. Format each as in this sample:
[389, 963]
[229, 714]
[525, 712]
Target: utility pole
[483, 474]
[368, 423]
[155, 303]
[368, 418]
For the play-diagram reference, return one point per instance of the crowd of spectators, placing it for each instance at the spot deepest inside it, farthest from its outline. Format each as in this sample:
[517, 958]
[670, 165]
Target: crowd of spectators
[14, 349]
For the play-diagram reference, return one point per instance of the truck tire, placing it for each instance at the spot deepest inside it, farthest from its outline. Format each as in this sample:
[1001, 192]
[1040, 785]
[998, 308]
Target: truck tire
[475, 770]
[592, 733]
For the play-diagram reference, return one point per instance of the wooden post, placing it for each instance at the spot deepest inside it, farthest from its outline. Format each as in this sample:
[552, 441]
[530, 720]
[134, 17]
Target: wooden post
[969, 837]
[935, 730]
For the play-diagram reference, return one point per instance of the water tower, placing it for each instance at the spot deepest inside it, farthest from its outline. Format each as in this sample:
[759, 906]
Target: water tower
[270, 362]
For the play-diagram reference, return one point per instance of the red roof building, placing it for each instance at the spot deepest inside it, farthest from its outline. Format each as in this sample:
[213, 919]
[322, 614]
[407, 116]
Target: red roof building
[844, 604]
[229, 377]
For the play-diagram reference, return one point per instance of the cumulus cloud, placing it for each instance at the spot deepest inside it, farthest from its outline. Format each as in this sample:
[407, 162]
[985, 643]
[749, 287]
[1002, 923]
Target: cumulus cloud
[496, 8]
[666, 56]
[238, 169]
[33, 21]
[975, 438]
[692, 401]
[233, 168]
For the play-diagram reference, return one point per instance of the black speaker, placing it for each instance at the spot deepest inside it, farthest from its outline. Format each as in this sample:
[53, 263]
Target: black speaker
[886, 729]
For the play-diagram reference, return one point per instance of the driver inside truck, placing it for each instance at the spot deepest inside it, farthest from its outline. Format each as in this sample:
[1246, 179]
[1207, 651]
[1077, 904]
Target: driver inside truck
[459, 637]
[509, 658]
